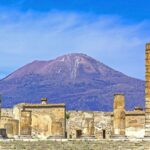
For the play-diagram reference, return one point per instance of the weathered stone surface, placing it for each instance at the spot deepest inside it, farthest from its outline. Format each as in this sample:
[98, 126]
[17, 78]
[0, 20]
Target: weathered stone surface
[135, 124]
[89, 123]
[7, 112]
[147, 92]
[11, 125]
[25, 123]
[50, 122]
[57, 128]
[119, 115]
[36, 120]
[46, 119]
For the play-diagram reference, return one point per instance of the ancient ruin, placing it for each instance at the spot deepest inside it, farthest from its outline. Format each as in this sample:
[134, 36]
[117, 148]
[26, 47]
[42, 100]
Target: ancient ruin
[50, 121]
[147, 92]
[35, 120]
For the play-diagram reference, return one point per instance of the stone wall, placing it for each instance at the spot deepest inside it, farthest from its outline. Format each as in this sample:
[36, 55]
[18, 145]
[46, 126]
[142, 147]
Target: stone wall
[119, 118]
[48, 121]
[75, 145]
[89, 123]
[135, 124]
[10, 124]
[103, 122]
[41, 120]
[25, 123]
[7, 112]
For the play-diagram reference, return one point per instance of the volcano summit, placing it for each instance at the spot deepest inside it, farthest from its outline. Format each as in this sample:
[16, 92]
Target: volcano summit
[78, 80]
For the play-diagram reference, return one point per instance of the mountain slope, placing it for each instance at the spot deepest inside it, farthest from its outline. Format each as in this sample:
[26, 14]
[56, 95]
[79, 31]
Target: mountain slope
[76, 79]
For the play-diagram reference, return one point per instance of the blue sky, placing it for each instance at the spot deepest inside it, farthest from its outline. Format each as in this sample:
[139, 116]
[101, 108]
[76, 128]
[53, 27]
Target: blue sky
[113, 32]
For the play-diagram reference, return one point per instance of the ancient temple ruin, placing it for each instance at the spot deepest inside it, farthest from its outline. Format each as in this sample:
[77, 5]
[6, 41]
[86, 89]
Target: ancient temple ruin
[45, 120]
[106, 125]
[53, 121]
[35, 120]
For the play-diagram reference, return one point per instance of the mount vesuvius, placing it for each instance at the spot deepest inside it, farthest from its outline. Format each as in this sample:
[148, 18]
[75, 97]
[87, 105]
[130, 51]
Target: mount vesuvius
[78, 80]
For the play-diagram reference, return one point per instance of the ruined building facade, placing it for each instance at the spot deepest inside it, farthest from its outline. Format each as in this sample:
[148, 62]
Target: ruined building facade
[35, 120]
[105, 125]
[45, 120]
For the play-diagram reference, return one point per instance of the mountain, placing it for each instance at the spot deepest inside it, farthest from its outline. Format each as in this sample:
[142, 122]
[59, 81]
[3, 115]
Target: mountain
[78, 80]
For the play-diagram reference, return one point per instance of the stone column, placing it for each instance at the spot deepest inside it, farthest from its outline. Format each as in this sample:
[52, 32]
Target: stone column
[25, 123]
[119, 115]
[91, 128]
[0, 105]
[147, 92]
[0, 114]
[88, 127]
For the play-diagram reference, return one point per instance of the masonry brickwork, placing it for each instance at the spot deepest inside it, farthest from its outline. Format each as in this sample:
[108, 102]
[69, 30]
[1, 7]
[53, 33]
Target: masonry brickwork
[147, 92]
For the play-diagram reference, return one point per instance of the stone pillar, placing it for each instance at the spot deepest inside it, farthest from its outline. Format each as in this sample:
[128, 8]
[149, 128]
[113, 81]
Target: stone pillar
[91, 128]
[0, 115]
[25, 123]
[0, 105]
[147, 92]
[88, 127]
[119, 115]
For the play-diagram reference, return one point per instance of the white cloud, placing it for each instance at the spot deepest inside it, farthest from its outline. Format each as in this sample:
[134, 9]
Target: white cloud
[25, 37]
